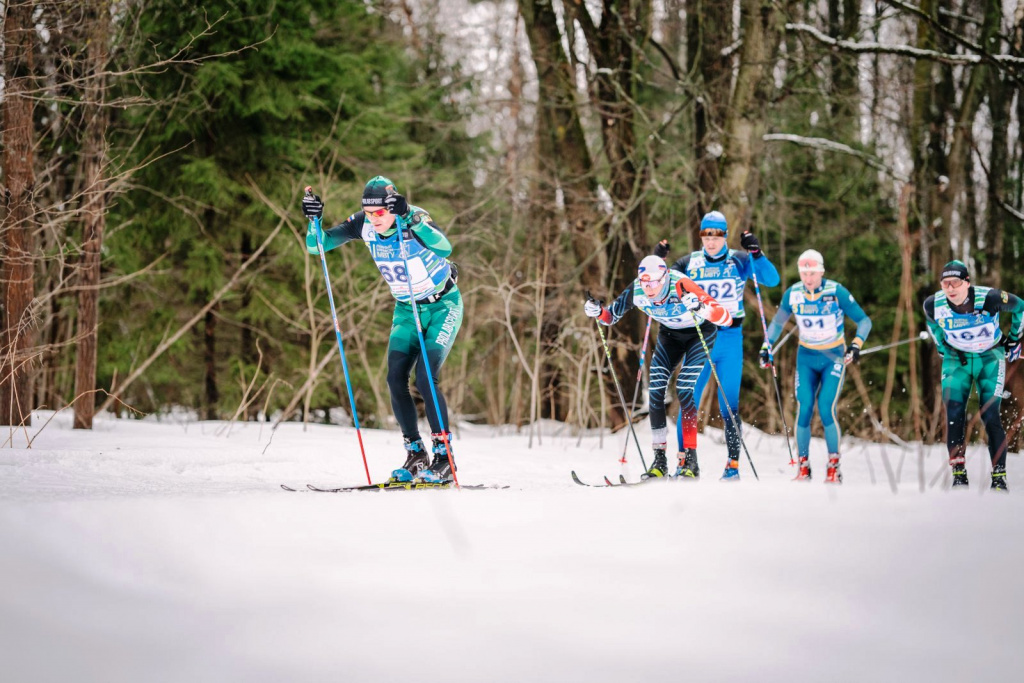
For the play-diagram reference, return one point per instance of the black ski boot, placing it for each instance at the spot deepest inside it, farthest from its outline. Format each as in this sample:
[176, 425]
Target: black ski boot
[415, 462]
[440, 469]
[688, 467]
[999, 478]
[659, 468]
[959, 472]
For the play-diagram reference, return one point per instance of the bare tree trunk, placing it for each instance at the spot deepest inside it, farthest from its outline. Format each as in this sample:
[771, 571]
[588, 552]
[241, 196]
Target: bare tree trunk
[94, 158]
[16, 238]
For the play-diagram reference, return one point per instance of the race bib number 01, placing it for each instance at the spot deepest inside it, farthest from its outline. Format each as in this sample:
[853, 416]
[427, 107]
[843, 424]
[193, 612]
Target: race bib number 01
[818, 329]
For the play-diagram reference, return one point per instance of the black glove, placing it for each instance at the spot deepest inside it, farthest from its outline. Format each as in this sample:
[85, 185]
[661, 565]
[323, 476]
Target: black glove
[852, 355]
[661, 249]
[312, 207]
[750, 243]
[396, 204]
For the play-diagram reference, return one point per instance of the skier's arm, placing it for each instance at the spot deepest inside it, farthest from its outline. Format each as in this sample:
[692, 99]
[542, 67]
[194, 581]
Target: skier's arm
[716, 313]
[427, 233]
[855, 313]
[1004, 302]
[765, 270]
[782, 316]
[929, 318]
[350, 229]
[622, 305]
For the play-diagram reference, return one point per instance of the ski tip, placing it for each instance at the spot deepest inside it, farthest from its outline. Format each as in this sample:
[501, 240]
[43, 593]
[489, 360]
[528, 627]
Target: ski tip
[289, 488]
[608, 481]
[622, 479]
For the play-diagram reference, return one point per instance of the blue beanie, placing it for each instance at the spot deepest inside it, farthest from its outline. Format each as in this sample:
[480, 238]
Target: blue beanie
[714, 220]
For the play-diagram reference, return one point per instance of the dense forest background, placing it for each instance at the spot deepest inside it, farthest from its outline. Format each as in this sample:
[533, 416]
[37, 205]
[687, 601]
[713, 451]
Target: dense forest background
[155, 152]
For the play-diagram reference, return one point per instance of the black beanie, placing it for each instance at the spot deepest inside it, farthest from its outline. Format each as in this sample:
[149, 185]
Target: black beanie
[955, 269]
[376, 190]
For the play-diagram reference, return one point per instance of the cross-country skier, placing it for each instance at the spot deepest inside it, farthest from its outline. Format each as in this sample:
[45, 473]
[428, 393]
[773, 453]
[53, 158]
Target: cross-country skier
[964, 321]
[437, 299]
[722, 272]
[821, 307]
[679, 306]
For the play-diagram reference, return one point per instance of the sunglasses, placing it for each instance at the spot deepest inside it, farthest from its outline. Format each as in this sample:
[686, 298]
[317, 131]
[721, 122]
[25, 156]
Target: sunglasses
[712, 232]
[951, 282]
[646, 279]
[375, 213]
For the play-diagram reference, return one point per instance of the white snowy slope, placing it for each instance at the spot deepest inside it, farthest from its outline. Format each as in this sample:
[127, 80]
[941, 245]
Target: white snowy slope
[163, 551]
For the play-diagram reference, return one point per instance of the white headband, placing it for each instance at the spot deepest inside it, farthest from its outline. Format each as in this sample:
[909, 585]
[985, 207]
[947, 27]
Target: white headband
[811, 255]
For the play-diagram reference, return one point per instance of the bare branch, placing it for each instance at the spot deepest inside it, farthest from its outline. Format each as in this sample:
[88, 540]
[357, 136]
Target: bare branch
[904, 50]
[827, 145]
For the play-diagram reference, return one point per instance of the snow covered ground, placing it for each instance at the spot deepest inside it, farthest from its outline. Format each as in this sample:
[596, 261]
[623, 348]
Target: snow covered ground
[166, 551]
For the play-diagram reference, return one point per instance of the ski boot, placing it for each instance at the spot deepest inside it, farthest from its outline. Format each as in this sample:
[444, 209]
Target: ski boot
[440, 469]
[416, 461]
[999, 478]
[833, 475]
[960, 472]
[688, 467]
[805, 470]
[732, 471]
[659, 468]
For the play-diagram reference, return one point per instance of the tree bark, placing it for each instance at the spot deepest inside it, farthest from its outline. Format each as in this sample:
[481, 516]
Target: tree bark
[94, 159]
[16, 234]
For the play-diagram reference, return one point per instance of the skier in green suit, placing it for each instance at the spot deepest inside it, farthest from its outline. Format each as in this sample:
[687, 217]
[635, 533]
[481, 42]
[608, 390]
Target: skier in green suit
[964, 320]
[438, 300]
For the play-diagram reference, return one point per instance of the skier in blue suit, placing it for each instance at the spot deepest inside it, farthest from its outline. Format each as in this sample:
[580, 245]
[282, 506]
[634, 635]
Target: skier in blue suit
[821, 307]
[722, 272]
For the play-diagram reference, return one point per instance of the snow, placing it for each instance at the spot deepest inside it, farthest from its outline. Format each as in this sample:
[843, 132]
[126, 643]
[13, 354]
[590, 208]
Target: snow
[166, 551]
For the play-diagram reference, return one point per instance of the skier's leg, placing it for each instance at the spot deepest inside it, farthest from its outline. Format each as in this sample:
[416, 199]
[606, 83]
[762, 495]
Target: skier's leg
[727, 356]
[667, 352]
[694, 360]
[806, 388]
[403, 351]
[991, 380]
[956, 389]
[442, 321]
[832, 375]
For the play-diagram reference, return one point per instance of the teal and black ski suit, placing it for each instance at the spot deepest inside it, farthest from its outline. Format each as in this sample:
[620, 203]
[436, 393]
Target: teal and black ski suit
[438, 302]
[970, 342]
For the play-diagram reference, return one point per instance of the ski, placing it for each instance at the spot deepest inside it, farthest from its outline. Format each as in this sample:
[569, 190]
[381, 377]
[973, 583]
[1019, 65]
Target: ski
[392, 486]
[608, 483]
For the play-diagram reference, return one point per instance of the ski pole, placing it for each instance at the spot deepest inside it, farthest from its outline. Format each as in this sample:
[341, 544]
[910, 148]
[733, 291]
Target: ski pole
[728, 407]
[400, 224]
[771, 361]
[639, 381]
[618, 388]
[923, 336]
[337, 332]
